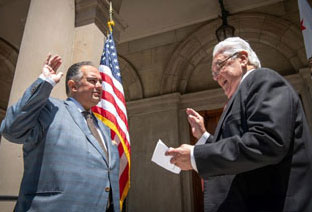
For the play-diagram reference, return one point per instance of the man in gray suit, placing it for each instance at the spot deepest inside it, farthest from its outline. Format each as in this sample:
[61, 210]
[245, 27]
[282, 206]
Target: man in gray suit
[259, 158]
[70, 163]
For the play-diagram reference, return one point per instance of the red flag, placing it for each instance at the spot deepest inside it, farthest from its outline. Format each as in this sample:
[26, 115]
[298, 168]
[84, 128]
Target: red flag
[306, 25]
[112, 111]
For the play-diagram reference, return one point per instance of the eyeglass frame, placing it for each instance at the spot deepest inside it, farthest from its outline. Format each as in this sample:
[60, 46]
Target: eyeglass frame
[221, 64]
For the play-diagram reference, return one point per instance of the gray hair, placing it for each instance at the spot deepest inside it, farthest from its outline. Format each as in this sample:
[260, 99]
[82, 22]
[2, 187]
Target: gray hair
[235, 44]
[74, 73]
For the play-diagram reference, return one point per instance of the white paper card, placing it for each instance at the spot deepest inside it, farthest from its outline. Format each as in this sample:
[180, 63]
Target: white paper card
[162, 160]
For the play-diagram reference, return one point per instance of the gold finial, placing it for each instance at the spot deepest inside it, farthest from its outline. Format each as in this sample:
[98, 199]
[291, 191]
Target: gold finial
[111, 23]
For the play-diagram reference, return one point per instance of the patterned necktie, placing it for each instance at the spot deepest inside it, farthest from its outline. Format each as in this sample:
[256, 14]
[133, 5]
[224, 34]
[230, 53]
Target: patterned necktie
[88, 116]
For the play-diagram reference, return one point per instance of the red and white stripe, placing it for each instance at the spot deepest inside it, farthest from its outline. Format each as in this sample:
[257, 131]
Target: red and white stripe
[112, 111]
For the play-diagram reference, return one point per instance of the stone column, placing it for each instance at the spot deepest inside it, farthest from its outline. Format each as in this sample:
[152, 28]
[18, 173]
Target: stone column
[152, 187]
[88, 44]
[72, 29]
[49, 28]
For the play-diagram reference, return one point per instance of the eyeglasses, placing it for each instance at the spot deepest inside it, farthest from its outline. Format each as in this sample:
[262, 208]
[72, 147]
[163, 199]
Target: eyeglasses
[221, 64]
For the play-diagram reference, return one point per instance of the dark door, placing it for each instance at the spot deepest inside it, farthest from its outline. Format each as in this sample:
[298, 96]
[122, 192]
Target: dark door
[211, 118]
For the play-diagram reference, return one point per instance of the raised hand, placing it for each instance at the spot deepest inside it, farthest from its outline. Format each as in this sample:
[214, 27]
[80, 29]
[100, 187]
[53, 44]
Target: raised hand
[197, 123]
[50, 67]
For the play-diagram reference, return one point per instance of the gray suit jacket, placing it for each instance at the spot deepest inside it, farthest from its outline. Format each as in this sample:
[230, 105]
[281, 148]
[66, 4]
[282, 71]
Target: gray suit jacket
[259, 158]
[65, 168]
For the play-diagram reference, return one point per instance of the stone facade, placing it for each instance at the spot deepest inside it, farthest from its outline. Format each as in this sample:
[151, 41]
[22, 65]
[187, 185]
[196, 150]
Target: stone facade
[163, 74]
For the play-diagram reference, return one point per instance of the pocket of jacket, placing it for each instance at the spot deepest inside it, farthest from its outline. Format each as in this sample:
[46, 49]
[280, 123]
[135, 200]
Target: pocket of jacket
[44, 193]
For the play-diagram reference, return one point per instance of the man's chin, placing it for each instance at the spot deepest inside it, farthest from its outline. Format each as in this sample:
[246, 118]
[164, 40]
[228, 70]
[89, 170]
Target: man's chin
[96, 100]
[226, 92]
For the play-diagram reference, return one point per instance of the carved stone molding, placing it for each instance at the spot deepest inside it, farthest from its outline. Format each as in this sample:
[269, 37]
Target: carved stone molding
[277, 34]
[8, 51]
[97, 11]
[8, 59]
[131, 80]
[153, 104]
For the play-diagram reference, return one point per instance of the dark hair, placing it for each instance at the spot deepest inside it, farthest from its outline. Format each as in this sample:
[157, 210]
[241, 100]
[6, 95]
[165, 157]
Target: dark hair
[74, 73]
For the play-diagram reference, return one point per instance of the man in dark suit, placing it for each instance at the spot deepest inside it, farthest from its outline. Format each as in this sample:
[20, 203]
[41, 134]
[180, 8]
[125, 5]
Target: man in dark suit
[70, 163]
[259, 158]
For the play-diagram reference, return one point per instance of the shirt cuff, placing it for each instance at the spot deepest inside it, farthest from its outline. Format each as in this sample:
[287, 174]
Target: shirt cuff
[193, 163]
[203, 138]
[201, 141]
[48, 79]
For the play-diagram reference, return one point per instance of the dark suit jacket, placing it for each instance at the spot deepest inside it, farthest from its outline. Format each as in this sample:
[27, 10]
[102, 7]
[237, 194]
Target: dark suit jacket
[259, 158]
[65, 168]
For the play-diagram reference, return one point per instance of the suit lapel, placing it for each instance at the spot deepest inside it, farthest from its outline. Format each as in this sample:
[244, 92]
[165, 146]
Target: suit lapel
[224, 114]
[79, 120]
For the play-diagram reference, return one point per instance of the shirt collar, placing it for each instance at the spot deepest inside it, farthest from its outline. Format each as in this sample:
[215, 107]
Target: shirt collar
[78, 105]
[245, 75]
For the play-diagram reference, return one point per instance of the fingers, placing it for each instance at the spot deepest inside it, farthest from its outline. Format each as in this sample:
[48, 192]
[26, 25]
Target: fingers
[46, 62]
[171, 152]
[56, 63]
[190, 111]
[196, 121]
[181, 156]
[174, 160]
[53, 62]
[184, 149]
[175, 155]
[193, 115]
[192, 119]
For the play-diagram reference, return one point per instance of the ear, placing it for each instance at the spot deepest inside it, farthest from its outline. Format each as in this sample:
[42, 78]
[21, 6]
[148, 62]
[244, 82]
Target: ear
[73, 86]
[243, 55]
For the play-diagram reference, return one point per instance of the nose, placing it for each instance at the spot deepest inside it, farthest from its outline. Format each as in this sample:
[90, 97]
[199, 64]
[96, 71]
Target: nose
[216, 76]
[98, 84]
[215, 73]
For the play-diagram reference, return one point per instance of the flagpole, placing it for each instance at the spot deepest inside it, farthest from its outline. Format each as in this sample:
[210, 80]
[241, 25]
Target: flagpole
[110, 11]
[109, 115]
[111, 22]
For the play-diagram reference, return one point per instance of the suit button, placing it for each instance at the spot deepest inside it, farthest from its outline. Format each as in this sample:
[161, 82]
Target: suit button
[107, 189]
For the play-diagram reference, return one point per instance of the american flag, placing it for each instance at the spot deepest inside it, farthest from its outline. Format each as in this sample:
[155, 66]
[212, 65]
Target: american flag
[112, 111]
[305, 11]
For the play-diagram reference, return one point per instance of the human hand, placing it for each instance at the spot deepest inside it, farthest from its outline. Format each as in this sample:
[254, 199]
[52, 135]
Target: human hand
[181, 156]
[197, 123]
[50, 67]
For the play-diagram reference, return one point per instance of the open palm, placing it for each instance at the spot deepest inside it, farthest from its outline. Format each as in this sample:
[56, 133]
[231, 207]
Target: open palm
[197, 123]
[50, 67]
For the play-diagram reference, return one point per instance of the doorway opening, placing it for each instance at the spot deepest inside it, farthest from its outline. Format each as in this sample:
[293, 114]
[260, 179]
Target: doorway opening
[211, 118]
